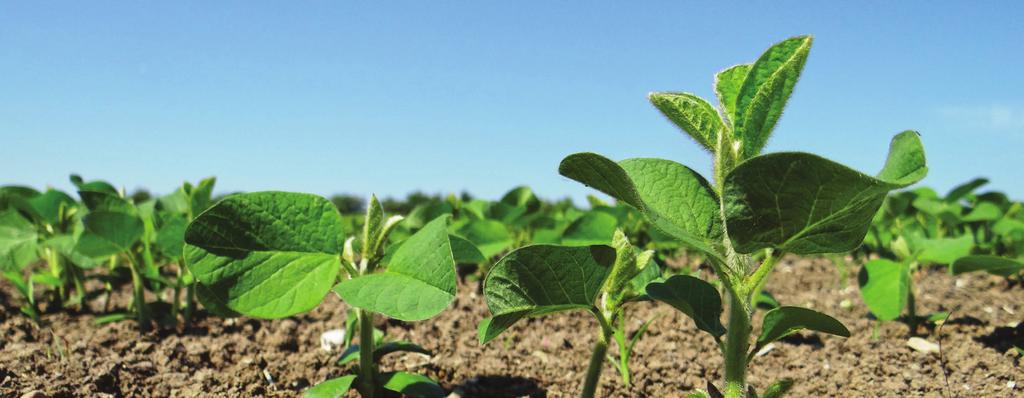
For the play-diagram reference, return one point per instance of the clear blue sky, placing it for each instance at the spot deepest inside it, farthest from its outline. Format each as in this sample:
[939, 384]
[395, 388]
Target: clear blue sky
[330, 97]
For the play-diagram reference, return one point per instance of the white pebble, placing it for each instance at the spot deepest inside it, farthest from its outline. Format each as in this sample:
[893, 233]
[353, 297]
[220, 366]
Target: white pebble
[922, 345]
[332, 340]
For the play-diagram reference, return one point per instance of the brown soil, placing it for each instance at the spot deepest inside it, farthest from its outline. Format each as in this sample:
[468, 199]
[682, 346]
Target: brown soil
[69, 356]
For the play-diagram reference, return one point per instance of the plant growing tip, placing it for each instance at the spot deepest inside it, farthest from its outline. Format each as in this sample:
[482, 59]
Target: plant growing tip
[276, 254]
[772, 204]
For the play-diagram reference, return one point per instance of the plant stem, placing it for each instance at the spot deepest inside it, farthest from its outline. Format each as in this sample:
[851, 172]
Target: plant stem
[912, 310]
[596, 362]
[138, 294]
[367, 367]
[737, 342]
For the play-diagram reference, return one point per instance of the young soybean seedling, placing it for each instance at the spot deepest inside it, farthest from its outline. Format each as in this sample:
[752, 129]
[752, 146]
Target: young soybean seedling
[770, 204]
[277, 254]
[542, 279]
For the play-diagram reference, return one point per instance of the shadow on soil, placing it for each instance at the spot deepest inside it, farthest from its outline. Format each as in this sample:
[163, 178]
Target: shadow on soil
[499, 387]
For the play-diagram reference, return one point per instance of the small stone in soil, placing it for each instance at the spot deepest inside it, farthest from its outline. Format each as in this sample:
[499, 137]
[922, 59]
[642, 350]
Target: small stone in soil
[332, 339]
[922, 345]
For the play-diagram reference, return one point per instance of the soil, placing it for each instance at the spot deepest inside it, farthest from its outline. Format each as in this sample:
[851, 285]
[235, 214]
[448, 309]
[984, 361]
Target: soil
[69, 356]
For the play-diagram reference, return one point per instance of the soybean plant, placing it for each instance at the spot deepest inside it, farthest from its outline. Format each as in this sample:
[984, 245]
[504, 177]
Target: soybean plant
[767, 205]
[541, 279]
[276, 254]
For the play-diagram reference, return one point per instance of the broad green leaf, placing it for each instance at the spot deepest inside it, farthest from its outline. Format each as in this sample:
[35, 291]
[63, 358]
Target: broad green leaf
[648, 274]
[984, 211]
[201, 196]
[465, 252]
[51, 206]
[692, 114]
[804, 204]
[728, 84]
[212, 302]
[108, 233]
[994, 265]
[943, 250]
[490, 237]
[67, 246]
[676, 199]
[784, 321]
[419, 281]
[97, 185]
[540, 279]
[412, 385]
[170, 237]
[764, 93]
[18, 241]
[694, 297]
[333, 388]
[594, 228]
[884, 286]
[521, 197]
[266, 254]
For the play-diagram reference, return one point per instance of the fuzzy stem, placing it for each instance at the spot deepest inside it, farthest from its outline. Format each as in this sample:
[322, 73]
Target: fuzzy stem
[737, 342]
[596, 362]
[367, 368]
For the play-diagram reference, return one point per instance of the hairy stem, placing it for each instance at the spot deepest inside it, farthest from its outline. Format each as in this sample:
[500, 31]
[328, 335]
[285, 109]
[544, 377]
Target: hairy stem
[367, 367]
[737, 342]
[596, 362]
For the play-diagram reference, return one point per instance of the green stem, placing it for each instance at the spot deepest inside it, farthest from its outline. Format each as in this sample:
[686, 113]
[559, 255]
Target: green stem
[912, 311]
[138, 294]
[737, 342]
[596, 362]
[367, 367]
[760, 276]
[176, 304]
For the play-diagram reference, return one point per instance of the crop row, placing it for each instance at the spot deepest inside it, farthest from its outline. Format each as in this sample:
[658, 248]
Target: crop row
[277, 254]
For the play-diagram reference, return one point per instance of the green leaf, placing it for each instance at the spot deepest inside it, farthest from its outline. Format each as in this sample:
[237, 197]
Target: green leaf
[212, 302]
[540, 279]
[419, 281]
[884, 285]
[594, 228]
[491, 237]
[694, 297]
[784, 321]
[170, 238]
[521, 197]
[778, 389]
[692, 114]
[108, 233]
[984, 211]
[18, 241]
[943, 250]
[728, 84]
[51, 206]
[805, 204]
[266, 254]
[201, 195]
[994, 265]
[676, 199]
[962, 190]
[629, 262]
[465, 252]
[333, 388]
[412, 385]
[764, 93]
